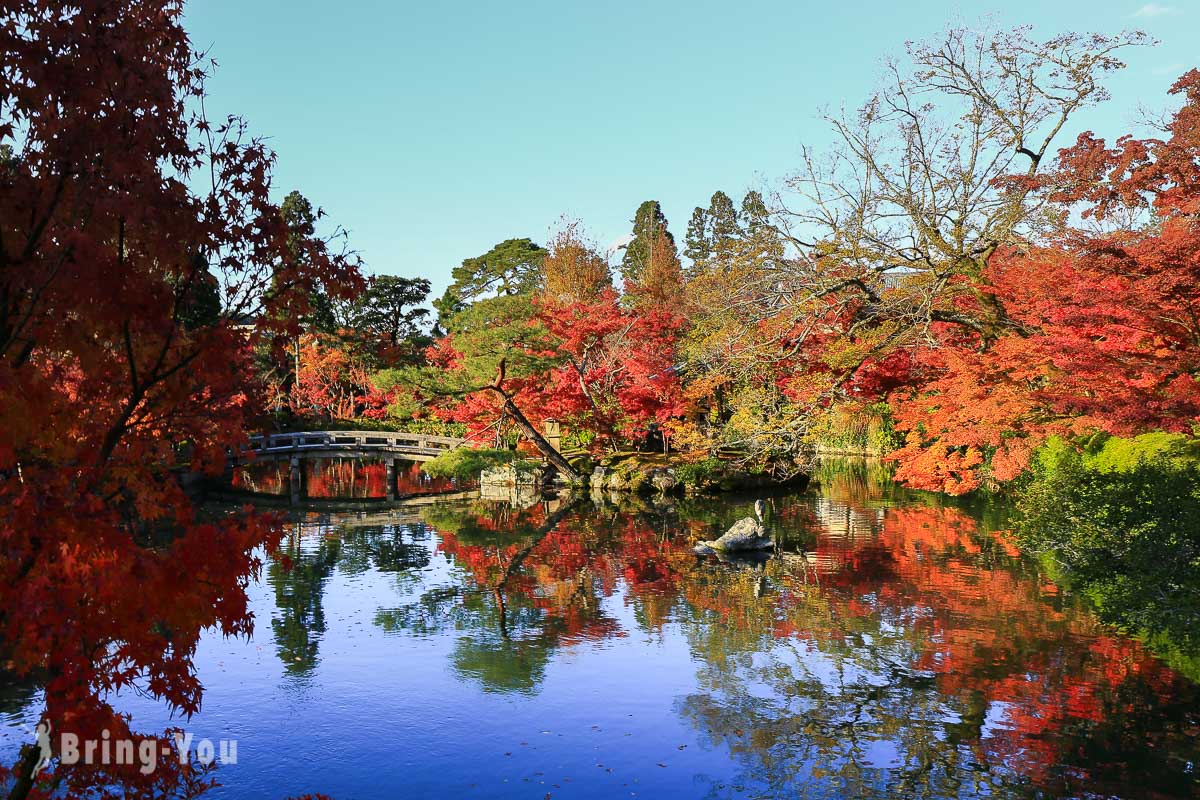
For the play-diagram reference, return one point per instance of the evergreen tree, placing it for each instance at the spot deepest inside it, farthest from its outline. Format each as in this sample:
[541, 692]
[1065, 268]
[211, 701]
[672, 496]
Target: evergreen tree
[754, 212]
[301, 220]
[696, 244]
[661, 283]
[723, 224]
[513, 267]
[390, 310]
[198, 292]
[649, 225]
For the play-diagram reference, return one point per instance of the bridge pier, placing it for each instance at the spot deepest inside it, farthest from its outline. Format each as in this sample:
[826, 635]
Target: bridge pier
[296, 480]
[391, 478]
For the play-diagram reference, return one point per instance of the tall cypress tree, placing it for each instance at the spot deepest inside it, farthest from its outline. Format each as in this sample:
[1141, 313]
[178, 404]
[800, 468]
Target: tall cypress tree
[762, 237]
[301, 220]
[754, 212]
[649, 225]
[696, 244]
[723, 224]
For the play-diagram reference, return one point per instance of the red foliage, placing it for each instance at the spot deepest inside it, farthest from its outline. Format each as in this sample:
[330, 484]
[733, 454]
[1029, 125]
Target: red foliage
[117, 367]
[612, 369]
[618, 371]
[334, 382]
[1105, 330]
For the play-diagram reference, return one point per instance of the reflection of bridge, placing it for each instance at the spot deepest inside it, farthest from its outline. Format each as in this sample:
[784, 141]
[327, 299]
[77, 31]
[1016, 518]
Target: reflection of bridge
[386, 446]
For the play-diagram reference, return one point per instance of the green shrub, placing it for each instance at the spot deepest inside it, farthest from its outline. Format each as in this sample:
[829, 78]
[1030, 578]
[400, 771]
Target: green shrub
[1115, 454]
[700, 473]
[579, 440]
[1121, 520]
[465, 463]
[869, 430]
[582, 463]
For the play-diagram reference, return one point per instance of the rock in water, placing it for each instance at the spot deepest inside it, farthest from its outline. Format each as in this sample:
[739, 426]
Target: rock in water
[745, 534]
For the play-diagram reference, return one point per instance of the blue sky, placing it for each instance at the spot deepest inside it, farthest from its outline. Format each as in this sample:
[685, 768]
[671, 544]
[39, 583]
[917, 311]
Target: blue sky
[433, 130]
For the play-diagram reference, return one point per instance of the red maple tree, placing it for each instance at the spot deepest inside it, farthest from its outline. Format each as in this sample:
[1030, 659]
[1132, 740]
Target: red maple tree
[136, 240]
[1106, 320]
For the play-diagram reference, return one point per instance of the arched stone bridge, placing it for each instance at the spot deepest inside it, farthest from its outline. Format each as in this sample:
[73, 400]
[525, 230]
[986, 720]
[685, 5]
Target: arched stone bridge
[387, 446]
[353, 444]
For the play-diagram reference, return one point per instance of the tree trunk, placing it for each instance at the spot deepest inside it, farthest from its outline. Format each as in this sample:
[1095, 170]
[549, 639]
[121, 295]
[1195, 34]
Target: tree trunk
[23, 772]
[535, 436]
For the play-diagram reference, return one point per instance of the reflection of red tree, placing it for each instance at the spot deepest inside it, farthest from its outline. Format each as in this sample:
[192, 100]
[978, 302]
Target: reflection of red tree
[565, 572]
[996, 642]
[345, 478]
[264, 477]
[334, 478]
[985, 631]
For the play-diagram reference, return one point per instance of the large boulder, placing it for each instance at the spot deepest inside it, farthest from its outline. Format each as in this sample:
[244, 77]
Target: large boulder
[510, 475]
[664, 480]
[746, 534]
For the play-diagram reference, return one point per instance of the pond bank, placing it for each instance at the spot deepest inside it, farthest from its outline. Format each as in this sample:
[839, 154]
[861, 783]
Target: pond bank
[648, 474]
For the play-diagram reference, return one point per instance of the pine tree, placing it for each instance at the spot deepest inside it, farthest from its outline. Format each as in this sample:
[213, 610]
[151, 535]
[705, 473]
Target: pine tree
[696, 244]
[513, 267]
[301, 220]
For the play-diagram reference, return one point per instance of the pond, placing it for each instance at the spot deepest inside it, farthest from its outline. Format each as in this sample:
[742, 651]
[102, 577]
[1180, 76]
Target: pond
[895, 645]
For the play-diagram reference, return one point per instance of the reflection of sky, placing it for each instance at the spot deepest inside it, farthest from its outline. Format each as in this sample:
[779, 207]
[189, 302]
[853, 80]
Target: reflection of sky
[996, 720]
[882, 754]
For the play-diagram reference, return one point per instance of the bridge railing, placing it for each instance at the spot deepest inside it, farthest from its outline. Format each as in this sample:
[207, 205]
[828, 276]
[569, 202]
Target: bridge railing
[302, 441]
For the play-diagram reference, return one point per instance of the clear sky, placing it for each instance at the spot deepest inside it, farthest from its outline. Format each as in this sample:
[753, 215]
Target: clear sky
[433, 130]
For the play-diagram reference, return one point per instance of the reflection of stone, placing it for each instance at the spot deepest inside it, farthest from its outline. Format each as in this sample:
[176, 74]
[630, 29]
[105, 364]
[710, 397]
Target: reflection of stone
[742, 558]
[519, 487]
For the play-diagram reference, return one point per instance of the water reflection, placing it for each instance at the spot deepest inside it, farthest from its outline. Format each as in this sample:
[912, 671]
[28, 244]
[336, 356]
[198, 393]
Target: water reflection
[896, 645]
[298, 576]
[338, 478]
[299, 573]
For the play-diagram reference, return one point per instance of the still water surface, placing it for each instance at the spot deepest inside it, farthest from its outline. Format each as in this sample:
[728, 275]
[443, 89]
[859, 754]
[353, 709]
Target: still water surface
[896, 646]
